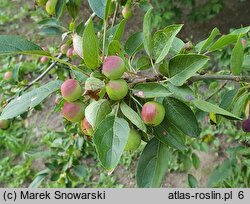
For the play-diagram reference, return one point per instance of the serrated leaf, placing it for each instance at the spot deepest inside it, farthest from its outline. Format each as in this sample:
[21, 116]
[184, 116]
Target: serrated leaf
[206, 43]
[162, 41]
[168, 134]
[133, 116]
[237, 58]
[11, 44]
[223, 41]
[152, 165]
[110, 139]
[182, 92]
[29, 100]
[90, 46]
[98, 7]
[181, 116]
[134, 43]
[151, 90]
[211, 108]
[97, 111]
[147, 28]
[182, 67]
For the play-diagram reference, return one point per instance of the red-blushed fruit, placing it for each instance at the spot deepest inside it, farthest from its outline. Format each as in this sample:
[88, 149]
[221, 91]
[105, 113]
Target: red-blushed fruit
[113, 67]
[71, 90]
[134, 141]
[152, 113]
[73, 111]
[86, 127]
[8, 76]
[70, 52]
[117, 89]
[44, 59]
[4, 124]
[64, 48]
[246, 125]
[127, 12]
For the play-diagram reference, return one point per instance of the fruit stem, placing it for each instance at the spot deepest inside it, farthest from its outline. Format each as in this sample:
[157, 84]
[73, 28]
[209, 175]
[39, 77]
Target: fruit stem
[135, 100]
[115, 14]
[104, 39]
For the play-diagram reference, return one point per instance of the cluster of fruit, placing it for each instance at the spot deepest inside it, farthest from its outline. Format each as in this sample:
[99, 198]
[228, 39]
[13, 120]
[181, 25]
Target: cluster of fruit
[50, 7]
[116, 88]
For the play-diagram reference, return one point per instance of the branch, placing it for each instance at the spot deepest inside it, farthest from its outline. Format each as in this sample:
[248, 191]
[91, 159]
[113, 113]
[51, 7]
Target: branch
[237, 78]
[38, 78]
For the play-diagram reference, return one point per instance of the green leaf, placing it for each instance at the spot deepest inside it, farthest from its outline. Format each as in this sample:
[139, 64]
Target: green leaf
[206, 43]
[119, 31]
[60, 6]
[11, 44]
[152, 165]
[106, 11]
[147, 27]
[80, 171]
[90, 46]
[162, 41]
[133, 116]
[182, 67]
[143, 63]
[97, 111]
[240, 104]
[115, 47]
[110, 139]
[168, 134]
[196, 161]
[39, 178]
[151, 90]
[241, 31]
[73, 7]
[29, 100]
[246, 62]
[237, 58]
[98, 7]
[181, 116]
[211, 108]
[219, 174]
[192, 181]
[134, 43]
[223, 41]
[182, 92]
[177, 46]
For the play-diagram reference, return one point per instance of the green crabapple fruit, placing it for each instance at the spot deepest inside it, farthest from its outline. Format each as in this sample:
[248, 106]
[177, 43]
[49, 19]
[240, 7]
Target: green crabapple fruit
[73, 111]
[134, 141]
[113, 67]
[117, 89]
[71, 90]
[51, 7]
[152, 113]
[8, 76]
[64, 48]
[127, 12]
[86, 127]
[4, 124]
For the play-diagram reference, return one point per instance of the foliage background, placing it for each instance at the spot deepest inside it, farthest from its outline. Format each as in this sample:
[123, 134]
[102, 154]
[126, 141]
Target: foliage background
[19, 158]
